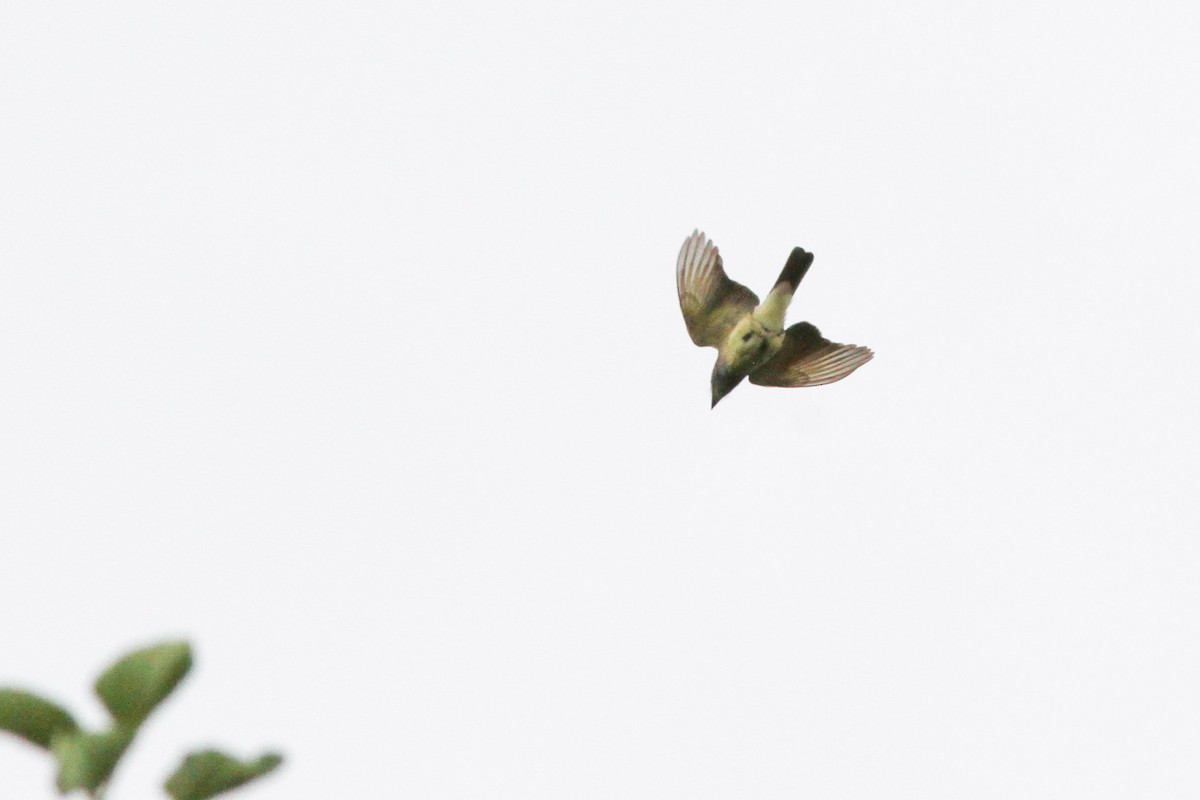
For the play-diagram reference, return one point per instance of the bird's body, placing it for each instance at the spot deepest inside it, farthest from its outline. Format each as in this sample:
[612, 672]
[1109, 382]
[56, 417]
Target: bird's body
[752, 342]
[750, 336]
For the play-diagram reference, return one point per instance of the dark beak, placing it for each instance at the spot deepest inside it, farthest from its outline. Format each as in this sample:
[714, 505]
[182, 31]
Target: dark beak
[723, 382]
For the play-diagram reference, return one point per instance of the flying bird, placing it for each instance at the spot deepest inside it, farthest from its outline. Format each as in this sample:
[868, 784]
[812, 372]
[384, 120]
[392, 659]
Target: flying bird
[749, 335]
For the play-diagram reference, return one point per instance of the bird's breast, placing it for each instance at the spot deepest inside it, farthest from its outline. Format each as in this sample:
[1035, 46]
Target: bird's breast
[750, 345]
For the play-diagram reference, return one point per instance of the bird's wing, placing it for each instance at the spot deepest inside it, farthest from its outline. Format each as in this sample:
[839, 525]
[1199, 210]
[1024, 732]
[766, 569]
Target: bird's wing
[712, 304]
[809, 359]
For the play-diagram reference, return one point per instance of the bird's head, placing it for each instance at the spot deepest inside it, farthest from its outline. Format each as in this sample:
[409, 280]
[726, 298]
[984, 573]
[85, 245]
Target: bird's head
[724, 379]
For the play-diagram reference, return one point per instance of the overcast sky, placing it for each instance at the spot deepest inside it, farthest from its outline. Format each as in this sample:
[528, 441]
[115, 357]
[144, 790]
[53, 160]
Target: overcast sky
[342, 340]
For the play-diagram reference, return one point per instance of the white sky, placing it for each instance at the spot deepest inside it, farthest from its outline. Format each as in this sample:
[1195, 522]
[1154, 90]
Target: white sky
[342, 340]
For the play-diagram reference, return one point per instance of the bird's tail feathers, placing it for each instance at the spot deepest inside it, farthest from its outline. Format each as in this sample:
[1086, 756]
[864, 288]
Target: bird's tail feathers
[773, 310]
[795, 268]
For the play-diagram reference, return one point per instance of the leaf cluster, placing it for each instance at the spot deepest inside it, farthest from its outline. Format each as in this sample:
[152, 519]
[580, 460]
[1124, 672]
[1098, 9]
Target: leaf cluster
[130, 689]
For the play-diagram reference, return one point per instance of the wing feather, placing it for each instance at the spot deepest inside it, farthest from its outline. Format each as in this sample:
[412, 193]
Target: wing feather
[711, 303]
[809, 359]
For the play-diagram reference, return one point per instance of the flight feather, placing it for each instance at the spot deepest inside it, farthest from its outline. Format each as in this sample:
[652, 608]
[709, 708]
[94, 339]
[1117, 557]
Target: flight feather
[711, 303]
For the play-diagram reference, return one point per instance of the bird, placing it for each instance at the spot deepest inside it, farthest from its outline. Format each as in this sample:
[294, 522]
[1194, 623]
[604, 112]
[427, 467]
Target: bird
[749, 336]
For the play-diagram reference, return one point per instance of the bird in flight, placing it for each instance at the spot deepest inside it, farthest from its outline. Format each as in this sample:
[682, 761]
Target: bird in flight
[749, 335]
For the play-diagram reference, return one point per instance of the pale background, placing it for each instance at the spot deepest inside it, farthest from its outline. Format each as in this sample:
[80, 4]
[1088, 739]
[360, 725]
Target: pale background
[342, 340]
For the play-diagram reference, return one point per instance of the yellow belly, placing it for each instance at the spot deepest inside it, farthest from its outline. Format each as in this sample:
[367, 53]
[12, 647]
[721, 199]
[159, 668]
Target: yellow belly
[750, 345]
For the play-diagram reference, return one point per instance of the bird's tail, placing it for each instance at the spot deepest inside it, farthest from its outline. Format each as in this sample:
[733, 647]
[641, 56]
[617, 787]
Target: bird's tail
[773, 309]
[793, 271]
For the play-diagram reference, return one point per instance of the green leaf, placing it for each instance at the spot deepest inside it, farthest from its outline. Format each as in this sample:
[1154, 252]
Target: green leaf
[208, 773]
[33, 718]
[137, 683]
[86, 760]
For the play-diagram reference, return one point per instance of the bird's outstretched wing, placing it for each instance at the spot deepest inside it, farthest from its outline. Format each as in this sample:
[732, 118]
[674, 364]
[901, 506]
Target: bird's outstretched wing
[809, 359]
[712, 304]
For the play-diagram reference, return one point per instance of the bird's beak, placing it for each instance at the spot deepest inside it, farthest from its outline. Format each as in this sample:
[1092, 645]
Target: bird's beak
[723, 381]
